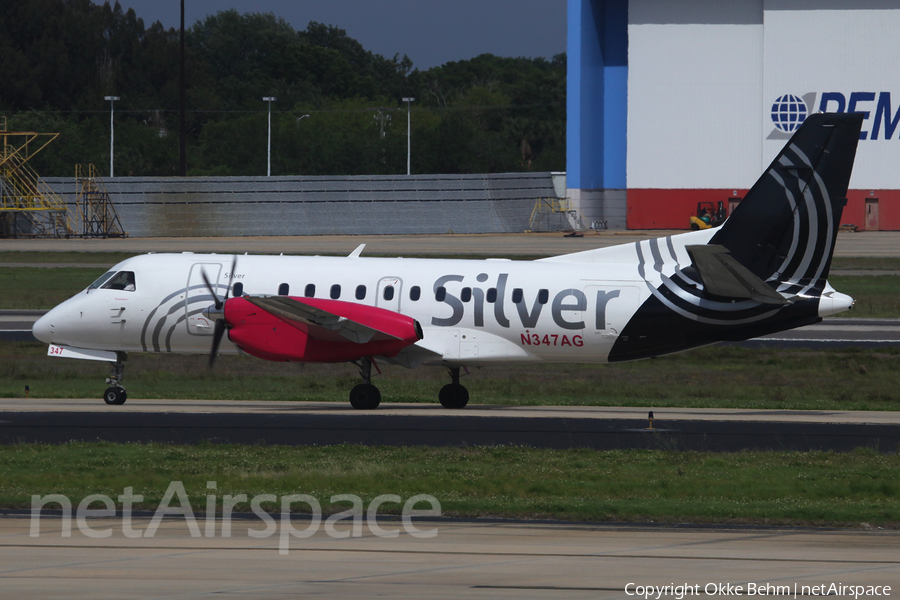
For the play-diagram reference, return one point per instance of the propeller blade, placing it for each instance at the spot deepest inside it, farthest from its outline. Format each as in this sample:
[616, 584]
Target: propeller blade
[220, 326]
[217, 339]
[212, 291]
[231, 276]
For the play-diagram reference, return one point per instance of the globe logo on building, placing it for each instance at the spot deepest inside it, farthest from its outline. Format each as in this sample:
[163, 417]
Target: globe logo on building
[788, 112]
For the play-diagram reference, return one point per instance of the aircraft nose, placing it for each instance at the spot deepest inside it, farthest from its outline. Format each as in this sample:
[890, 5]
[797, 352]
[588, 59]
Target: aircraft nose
[43, 328]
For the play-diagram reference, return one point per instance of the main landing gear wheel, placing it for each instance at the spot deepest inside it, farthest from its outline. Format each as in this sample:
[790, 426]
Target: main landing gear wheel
[454, 395]
[365, 396]
[115, 395]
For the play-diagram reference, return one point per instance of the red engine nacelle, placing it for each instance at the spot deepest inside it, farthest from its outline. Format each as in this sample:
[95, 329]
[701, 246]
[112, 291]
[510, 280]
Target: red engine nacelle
[267, 336]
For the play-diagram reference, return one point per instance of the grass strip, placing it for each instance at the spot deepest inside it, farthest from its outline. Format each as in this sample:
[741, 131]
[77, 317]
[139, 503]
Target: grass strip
[866, 263]
[712, 377]
[877, 296]
[790, 488]
[31, 288]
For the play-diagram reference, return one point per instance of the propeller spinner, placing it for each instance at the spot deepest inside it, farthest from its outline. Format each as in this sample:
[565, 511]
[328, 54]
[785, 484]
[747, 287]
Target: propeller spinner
[216, 312]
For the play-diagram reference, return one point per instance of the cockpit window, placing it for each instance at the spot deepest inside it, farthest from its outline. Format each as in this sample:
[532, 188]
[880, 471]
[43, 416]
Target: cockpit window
[123, 280]
[103, 278]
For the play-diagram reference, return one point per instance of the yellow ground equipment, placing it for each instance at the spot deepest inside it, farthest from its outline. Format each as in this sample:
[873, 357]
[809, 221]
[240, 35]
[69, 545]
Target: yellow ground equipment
[28, 207]
[97, 216]
[553, 214]
[708, 215]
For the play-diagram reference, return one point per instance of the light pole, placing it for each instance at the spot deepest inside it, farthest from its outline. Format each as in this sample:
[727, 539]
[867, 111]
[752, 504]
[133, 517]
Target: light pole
[408, 139]
[182, 126]
[112, 135]
[270, 100]
[300, 118]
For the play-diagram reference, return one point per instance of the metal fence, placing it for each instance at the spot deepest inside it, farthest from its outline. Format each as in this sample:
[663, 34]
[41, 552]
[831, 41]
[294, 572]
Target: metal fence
[251, 206]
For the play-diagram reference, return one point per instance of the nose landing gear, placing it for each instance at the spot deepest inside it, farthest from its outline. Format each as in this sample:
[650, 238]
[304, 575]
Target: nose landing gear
[116, 393]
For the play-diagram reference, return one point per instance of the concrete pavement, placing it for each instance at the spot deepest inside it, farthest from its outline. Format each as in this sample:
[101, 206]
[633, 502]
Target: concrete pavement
[465, 559]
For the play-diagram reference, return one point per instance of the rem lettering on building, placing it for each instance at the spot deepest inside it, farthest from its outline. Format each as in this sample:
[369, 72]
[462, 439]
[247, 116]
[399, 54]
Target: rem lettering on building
[882, 113]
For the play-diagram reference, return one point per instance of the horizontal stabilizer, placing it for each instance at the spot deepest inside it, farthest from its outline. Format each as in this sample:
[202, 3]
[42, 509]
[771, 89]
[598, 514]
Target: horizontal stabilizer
[723, 276]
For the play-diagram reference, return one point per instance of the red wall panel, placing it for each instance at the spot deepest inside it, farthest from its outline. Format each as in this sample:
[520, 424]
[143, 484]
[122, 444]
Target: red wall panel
[672, 209]
[888, 208]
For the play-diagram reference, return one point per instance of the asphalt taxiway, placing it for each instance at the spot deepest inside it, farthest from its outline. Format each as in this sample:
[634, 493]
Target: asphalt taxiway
[464, 559]
[310, 423]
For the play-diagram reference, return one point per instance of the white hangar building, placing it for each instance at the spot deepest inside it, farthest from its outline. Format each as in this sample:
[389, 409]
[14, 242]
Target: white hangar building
[676, 102]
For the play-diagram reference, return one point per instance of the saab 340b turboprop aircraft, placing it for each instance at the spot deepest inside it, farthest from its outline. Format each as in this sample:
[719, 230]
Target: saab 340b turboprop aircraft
[764, 270]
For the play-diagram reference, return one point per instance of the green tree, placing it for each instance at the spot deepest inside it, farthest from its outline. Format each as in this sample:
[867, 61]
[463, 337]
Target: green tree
[61, 57]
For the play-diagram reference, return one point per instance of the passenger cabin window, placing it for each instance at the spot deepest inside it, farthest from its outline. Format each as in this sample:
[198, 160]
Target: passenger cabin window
[415, 293]
[543, 296]
[335, 291]
[284, 289]
[465, 294]
[440, 294]
[360, 292]
[310, 291]
[237, 290]
[388, 293]
[492, 295]
[517, 295]
[123, 280]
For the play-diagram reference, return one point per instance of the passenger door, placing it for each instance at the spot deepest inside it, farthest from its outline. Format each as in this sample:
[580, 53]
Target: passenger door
[389, 290]
[197, 297]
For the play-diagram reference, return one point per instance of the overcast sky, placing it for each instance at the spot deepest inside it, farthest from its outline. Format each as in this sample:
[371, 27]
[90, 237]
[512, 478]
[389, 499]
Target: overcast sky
[430, 32]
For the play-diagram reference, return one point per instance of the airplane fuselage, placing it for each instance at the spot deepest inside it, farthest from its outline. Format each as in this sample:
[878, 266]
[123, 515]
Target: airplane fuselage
[471, 311]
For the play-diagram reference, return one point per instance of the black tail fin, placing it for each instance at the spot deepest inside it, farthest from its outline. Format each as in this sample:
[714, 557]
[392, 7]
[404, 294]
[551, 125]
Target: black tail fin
[765, 269]
[785, 228]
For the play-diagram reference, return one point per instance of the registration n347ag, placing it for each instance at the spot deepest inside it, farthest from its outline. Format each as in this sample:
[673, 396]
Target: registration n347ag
[764, 270]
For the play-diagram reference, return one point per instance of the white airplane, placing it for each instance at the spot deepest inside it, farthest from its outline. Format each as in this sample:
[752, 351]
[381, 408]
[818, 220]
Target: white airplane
[764, 270]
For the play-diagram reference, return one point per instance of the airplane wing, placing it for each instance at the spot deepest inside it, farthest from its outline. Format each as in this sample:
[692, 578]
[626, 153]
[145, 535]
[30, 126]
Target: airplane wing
[327, 319]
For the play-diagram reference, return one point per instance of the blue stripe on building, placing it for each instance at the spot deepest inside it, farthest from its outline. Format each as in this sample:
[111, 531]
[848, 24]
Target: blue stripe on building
[597, 97]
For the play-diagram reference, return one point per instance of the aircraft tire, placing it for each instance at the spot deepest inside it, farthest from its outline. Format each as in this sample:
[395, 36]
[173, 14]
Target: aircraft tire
[454, 395]
[365, 396]
[115, 395]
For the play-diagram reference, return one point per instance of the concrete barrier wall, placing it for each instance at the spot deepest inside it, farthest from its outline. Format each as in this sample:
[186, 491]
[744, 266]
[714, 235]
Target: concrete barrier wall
[236, 206]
